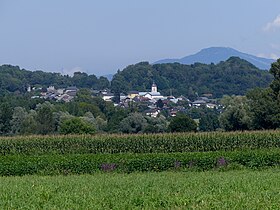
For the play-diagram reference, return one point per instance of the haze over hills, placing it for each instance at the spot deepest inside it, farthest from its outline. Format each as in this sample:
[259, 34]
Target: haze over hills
[218, 54]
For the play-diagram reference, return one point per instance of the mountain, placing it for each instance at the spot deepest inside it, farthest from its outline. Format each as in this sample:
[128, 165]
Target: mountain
[234, 76]
[218, 54]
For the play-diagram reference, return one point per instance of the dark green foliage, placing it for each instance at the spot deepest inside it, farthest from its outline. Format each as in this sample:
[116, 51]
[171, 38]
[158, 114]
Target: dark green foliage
[45, 119]
[182, 123]
[6, 113]
[264, 109]
[209, 122]
[264, 104]
[114, 119]
[12, 79]
[156, 125]
[275, 71]
[236, 113]
[89, 164]
[76, 126]
[134, 123]
[234, 76]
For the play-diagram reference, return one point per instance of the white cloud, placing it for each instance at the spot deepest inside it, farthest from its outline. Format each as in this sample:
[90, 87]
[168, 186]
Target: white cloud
[71, 72]
[271, 26]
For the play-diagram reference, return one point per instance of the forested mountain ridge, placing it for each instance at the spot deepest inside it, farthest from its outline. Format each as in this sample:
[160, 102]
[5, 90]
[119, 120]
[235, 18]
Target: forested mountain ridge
[12, 79]
[234, 76]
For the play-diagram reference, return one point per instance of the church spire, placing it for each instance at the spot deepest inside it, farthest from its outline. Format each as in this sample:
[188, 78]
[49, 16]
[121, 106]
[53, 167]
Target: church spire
[154, 87]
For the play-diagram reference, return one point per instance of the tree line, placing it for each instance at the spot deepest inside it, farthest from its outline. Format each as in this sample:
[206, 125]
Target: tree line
[19, 115]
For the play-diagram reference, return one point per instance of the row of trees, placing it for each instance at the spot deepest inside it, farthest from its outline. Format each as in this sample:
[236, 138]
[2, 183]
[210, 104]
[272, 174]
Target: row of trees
[20, 115]
[46, 120]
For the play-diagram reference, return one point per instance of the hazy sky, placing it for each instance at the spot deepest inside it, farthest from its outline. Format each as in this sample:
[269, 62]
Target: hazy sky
[102, 36]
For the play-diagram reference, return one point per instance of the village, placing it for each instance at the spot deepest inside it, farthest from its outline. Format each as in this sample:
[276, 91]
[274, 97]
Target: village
[150, 103]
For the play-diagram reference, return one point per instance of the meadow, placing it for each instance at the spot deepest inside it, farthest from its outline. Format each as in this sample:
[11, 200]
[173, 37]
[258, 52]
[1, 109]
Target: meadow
[235, 189]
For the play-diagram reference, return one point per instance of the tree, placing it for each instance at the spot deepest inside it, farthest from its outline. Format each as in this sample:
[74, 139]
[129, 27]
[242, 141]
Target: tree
[29, 124]
[6, 114]
[209, 122]
[236, 115]
[18, 118]
[182, 123]
[114, 119]
[156, 124]
[103, 83]
[134, 123]
[45, 118]
[275, 71]
[160, 104]
[264, 108]
[76, 126]
[264, 104]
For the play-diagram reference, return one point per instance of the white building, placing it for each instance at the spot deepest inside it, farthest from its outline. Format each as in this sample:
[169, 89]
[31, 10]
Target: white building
[154, 94]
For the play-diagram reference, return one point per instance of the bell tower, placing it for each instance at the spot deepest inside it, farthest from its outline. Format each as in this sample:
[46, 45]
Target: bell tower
[154, 88]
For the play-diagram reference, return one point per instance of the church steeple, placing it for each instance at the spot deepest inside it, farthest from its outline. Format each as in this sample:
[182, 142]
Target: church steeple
[154, 87]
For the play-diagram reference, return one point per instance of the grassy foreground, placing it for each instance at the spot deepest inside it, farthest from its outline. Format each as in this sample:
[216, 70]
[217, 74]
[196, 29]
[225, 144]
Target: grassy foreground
[244, 189]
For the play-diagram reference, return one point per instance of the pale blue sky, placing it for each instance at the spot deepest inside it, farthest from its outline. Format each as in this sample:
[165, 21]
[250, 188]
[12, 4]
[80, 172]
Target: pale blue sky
[101, 36]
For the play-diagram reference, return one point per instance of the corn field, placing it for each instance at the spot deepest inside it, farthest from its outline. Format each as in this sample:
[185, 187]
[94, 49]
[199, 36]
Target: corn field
[144, 143]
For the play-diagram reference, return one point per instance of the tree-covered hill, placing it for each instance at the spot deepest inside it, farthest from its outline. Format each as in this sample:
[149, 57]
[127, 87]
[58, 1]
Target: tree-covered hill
[12, 79]
[234, 76]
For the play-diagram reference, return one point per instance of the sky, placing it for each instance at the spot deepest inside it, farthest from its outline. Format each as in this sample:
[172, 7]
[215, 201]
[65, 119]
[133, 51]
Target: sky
[101, 36]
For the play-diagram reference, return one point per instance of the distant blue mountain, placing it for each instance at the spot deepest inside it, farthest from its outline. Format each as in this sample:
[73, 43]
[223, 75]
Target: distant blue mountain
[218, 54]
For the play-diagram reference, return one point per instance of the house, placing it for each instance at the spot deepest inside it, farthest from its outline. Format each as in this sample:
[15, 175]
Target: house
[65, 98]
[60, 91]
[198, 103]
[152, 112]
[211, 106]
[71, 91]
[122, 96]
[133, 94]
[108, 96]
[50, 89]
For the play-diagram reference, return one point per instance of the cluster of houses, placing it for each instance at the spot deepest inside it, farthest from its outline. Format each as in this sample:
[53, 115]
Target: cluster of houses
[153, 101]
[156, 102]
[65, 95]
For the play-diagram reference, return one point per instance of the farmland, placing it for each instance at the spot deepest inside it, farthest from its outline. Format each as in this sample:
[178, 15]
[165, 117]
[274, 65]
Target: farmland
[184, 170]
[237, 189]
[54, 155]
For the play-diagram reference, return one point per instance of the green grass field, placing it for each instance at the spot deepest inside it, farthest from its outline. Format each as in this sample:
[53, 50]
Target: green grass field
[236, 189]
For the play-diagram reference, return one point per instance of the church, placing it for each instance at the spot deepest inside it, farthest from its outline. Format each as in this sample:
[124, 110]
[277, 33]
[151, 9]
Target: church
[154, 94]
